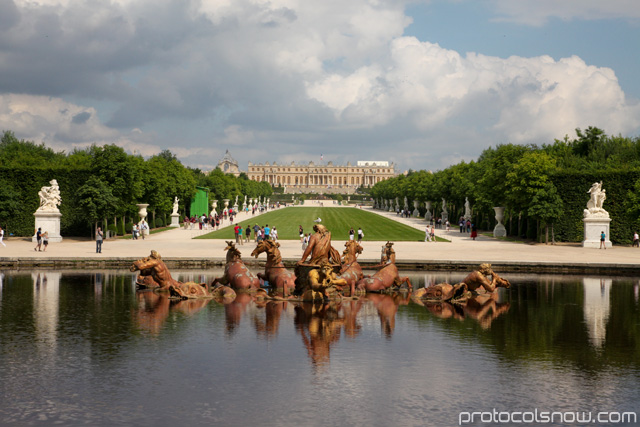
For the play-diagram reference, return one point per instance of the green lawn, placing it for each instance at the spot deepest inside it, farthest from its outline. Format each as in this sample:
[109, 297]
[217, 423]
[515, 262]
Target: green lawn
[337, 220]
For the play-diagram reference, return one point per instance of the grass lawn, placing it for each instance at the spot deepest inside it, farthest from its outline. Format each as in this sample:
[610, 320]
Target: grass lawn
[337, 220]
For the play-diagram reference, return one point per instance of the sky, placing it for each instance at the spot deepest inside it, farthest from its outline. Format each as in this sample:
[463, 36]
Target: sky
[423, 84]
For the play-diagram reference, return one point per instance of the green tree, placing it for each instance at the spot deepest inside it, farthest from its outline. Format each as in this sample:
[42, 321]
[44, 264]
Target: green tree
[546, 206]
[96, 200]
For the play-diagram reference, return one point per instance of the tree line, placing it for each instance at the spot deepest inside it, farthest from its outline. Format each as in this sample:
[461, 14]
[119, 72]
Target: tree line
[543, 188]
[102, 185]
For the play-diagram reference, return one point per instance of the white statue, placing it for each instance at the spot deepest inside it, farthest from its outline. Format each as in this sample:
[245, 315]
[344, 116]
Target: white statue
[50, 197]
[175, 206]
[596, 200]
[467, 208]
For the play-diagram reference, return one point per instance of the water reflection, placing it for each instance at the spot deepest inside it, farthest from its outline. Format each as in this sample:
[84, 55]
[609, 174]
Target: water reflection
[483, 309]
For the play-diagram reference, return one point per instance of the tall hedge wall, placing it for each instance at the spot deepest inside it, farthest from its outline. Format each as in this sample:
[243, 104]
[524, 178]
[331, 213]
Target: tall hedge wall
[574, 187]
[27, 182]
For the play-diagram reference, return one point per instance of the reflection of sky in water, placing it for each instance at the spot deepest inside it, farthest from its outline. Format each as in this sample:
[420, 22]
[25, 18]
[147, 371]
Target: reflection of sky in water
[86, 348]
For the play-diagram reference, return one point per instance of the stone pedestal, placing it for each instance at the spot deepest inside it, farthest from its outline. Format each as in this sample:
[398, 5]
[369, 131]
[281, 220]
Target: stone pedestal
[48, 221]
[592, 229]
[175, 220]
[499, 230]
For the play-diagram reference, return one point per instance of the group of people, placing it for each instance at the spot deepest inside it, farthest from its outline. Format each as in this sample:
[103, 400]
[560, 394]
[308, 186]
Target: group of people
[260, 233]
[207, 222]
[352, 234]
[469, 227]
[42, 240]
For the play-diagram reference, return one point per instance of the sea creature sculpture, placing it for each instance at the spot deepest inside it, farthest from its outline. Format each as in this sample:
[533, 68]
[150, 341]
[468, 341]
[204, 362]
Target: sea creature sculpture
[387, 277]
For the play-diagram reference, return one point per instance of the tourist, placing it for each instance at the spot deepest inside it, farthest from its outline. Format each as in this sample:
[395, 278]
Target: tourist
[360, 234]
[351, 233]
[247, 233]
[38, 240]
[301, 233]
[602, 240]
[236, 230]
[45, 240]
[636, 240]
[99, 240]
[2, 237]
[143, 228]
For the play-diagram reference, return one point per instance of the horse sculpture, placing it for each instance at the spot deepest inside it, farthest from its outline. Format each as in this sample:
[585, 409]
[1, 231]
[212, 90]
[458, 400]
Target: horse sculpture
[274, 271]
[236, 273]
[351, 270]
[387, 277]
[153, 272]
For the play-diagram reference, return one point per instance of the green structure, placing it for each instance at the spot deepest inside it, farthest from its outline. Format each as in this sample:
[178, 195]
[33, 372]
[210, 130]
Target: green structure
[200, 202]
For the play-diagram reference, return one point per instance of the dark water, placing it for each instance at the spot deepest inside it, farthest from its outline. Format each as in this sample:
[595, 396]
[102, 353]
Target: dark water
[86, 348]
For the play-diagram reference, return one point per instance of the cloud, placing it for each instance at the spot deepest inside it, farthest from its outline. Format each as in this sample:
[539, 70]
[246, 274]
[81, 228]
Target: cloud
[538, 12]
[283, 80]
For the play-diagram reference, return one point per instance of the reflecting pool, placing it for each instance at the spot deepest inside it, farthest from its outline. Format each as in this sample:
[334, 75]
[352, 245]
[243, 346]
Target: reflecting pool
[79, 347]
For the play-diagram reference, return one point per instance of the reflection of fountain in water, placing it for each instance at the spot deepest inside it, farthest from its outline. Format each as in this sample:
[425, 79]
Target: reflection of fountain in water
[596, 308]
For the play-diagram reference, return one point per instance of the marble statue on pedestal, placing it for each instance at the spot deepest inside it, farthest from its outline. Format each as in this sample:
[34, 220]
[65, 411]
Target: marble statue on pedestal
[596, 220]
[47, 216]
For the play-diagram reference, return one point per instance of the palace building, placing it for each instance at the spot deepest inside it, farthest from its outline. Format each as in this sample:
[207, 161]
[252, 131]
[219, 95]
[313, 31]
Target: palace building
[322, 178]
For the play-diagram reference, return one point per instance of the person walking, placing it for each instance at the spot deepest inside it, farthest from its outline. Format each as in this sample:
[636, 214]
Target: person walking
[237, 232]
[38, 240]
[99, 240]
[45, 240]
[2, 236]
[603, 237]
[474, 231]
[256, 228]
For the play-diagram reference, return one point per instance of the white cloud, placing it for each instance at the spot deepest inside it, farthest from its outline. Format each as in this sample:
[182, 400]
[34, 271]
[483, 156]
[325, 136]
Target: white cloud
[285, 80]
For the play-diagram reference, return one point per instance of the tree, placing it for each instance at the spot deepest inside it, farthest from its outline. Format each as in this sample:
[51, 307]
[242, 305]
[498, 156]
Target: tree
[96, 200]
[546, 206]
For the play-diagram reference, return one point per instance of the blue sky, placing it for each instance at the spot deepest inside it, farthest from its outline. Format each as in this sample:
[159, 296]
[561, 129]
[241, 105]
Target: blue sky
[613, 43]
[424, 84]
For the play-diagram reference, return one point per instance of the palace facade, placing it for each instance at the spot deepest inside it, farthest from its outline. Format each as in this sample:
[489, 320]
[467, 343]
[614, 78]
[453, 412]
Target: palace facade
[322, 178]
